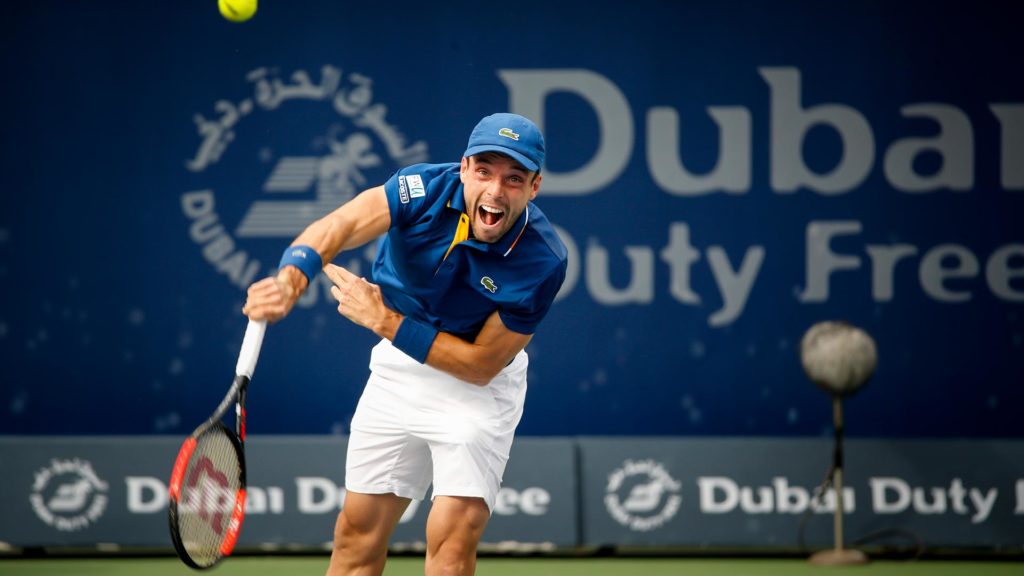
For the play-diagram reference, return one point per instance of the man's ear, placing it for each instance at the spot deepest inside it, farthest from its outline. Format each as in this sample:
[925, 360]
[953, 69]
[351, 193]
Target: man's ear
[463, 169]
[535, 186]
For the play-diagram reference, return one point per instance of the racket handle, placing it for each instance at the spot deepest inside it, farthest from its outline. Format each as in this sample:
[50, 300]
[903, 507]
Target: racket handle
[250, 348]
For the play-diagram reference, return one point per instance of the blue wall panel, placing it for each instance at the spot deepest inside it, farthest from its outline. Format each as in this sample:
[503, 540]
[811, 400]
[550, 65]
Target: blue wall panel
[858, 161]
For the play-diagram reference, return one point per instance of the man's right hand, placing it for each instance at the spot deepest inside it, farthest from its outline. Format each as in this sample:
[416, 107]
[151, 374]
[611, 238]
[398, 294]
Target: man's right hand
[272, 298]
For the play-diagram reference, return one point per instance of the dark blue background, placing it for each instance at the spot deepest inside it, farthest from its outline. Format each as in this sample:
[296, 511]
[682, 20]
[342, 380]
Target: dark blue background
[113, 322]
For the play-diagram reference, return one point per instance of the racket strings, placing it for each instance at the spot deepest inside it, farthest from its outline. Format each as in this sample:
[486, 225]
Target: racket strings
[208, 493]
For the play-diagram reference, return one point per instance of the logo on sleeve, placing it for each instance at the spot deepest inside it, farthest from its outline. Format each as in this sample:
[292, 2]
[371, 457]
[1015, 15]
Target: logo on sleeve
[416, 189]
[489, 284]
[403, 192]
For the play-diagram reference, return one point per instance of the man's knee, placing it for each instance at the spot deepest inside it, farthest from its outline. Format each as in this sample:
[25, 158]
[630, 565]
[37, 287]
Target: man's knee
[366, 522]
[455, 526]
[348, 528]
[453, 555]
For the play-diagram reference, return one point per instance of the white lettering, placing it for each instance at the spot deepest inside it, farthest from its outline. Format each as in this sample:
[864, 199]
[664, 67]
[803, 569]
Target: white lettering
[763, 504]
[983, 503]
[218, 248]
[827, 502]
[790, 123]
[710, 486]
[734, 287]
[730, 174]
[680, 256]
[791, 499]
[921, 504]
[198, 203]
[883, 262]
[821, 261]
[999, 274]
[957, 496]
[880, 488]
[640, 289]
[721, 495]
[146, 494]
[955, 144]
[942, 272]
[528, 90]
[937, 268]
[318, 495]
[1011, 123]
[894, 495]
[532, 501]
[933, 273]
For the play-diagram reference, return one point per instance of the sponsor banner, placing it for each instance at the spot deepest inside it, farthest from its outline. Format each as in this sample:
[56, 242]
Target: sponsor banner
[767, 166]
[756, 492]
[88, 491]
[625, 492]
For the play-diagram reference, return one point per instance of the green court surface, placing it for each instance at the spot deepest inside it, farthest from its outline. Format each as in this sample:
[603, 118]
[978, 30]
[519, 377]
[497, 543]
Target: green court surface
[409, 566]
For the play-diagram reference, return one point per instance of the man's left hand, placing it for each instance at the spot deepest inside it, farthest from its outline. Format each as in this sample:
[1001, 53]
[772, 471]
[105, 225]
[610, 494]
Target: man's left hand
[361, 302]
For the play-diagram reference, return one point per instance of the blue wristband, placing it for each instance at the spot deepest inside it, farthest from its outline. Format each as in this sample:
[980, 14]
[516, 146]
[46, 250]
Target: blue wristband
[303, 257]
[414, 338]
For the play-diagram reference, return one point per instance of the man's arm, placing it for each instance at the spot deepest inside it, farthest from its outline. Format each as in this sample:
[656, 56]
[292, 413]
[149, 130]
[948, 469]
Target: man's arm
[355, 223]
[477, 362]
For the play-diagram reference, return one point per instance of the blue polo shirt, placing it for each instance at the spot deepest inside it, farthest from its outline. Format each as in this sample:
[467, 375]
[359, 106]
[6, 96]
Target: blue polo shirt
[518, 275]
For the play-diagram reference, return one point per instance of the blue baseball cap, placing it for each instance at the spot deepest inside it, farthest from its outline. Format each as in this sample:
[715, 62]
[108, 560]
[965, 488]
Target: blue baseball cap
[509, 134]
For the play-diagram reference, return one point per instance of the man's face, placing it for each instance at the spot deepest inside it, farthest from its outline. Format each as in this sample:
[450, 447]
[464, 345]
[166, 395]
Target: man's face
[496, 189]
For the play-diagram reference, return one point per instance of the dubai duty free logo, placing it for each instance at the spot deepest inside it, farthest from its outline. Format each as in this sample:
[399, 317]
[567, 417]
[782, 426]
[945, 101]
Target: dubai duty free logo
[68, 495]
[313, 145]
[641, 495]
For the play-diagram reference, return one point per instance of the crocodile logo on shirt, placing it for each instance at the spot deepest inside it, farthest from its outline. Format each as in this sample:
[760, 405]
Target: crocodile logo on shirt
[489, 284]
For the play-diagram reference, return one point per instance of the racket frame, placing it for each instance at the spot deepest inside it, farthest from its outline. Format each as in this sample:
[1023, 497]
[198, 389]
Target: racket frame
[237, 395]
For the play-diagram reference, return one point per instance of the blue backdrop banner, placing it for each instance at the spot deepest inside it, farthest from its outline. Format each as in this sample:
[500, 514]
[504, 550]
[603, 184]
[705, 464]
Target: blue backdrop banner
[725, 174]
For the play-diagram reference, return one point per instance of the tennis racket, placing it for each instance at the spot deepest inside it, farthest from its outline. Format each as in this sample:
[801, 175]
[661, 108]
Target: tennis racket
[207, 488]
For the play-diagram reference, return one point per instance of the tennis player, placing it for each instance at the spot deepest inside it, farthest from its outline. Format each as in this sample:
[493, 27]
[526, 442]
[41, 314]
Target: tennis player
[466, 269]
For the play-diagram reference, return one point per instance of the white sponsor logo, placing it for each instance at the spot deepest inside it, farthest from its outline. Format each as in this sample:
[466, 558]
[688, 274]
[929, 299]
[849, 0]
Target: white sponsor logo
[416, 189]
[314, 495]
[946, 272]
[68, 495]
[722, 495]
[403, 191]
[532, 501]
[298, 186]
[642, 495]
[889, 495]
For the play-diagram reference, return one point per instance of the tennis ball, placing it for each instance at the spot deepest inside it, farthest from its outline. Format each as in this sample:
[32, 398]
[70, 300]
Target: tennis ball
[237, 10]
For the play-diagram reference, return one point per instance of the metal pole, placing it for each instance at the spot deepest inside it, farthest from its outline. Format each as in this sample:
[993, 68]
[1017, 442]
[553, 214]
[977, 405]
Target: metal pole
[838, 556]
[837, 479]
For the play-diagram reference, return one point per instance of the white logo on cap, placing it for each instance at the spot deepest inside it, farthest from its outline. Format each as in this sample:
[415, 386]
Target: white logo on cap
[508, 133]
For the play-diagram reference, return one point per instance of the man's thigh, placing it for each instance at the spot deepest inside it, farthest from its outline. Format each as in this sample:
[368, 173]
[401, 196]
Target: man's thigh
[373, 515]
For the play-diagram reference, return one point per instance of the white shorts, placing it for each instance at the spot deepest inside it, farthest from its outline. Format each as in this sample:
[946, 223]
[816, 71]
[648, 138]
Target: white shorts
[415, 425]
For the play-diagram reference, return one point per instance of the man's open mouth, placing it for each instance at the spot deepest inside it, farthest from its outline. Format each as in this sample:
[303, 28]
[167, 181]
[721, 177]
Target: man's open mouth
[490, 216]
